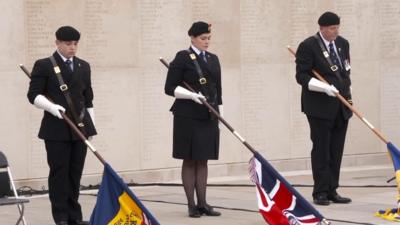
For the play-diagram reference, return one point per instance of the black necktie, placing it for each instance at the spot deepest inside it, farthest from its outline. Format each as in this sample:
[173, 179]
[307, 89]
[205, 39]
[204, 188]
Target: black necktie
[203, 56]
[69, 65]
[333, 55]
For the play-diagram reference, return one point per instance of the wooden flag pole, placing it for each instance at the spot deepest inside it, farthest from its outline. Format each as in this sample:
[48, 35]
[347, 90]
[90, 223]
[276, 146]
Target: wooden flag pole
[362, 118]
[72, 125]
[213, 111]
[346, 103]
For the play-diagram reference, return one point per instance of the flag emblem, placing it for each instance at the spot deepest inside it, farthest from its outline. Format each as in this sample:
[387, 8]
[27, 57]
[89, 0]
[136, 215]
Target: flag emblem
[117, 205]
[278, 202]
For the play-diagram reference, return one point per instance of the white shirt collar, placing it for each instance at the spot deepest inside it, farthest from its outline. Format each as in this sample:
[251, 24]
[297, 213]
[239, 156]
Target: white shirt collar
[327, 42]
[196, 50]
[65, 59]
[334, 47]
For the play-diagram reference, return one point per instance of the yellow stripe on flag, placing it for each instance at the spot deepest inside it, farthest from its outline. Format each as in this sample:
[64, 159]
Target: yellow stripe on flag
[129, 212]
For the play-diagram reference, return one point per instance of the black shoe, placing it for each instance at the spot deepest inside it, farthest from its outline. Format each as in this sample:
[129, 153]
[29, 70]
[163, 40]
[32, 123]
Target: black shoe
[62, 222]
[208, 211]
[79, 222]
[321, 200]
[339, 199]
[194, 212]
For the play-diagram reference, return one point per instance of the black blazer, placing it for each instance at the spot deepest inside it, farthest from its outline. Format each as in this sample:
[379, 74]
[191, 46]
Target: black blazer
[309, 56]
[182, 69]
[44, 82]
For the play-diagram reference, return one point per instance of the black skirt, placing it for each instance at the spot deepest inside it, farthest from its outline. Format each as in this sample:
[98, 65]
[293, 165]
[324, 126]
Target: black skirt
[195, 139]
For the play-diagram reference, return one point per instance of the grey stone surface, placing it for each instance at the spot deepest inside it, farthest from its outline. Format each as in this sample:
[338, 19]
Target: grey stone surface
[168, 203]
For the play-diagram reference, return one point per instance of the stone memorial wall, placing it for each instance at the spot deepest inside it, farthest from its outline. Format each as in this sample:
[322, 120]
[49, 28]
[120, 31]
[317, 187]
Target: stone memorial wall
[123, 39]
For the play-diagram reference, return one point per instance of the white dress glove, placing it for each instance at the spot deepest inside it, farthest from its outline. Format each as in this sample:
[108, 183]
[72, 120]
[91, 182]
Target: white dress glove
[183, 93]
[221, 110]
[221, 113]
[316, 85]
[43, 103]
[91, 113]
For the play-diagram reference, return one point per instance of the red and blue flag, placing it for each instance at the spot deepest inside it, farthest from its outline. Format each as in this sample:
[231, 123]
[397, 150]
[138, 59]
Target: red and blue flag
[278, 202]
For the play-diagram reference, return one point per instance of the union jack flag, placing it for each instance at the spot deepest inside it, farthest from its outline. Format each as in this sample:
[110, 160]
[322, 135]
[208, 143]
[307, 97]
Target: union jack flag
[278, 202]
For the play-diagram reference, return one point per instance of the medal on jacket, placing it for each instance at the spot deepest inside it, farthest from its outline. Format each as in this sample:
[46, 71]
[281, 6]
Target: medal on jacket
[347, 66]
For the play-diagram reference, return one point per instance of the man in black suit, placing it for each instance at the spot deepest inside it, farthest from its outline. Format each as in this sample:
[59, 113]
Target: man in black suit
[327, 53]
[65, 151]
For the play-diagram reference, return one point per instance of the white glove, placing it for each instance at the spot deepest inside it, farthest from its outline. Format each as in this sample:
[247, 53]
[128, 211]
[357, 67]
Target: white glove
[43, 103]
[221, 110]
[183, 93]
[316, 85]
[221, 113]
[91, 113]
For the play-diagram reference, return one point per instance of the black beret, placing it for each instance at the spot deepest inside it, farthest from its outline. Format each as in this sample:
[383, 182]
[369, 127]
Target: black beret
[199, 28]
[329, 19]
[67, 33]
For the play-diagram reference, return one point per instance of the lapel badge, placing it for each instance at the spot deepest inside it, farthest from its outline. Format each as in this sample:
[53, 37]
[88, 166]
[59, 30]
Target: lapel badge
[326, 54]
[192, 56]
[203, 80]
[57, 69]
[347, 65]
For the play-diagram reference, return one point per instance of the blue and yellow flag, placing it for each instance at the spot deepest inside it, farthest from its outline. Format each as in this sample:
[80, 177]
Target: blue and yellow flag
[393, 214]
[395, 155]
[116, 204]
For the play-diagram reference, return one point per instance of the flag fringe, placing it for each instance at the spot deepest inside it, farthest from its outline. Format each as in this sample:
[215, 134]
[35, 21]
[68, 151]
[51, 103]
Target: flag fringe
[389, 214]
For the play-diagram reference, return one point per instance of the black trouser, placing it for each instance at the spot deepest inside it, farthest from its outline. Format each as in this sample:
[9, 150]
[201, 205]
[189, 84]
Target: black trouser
[66, 160]
[328, 137]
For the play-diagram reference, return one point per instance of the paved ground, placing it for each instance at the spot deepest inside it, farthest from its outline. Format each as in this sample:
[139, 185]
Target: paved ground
[238, 203]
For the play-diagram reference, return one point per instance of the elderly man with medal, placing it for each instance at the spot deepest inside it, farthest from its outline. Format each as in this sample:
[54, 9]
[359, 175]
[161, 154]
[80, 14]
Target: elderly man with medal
[328, 54]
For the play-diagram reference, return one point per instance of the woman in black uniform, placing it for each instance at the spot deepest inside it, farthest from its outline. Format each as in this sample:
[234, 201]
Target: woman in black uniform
[196, 132]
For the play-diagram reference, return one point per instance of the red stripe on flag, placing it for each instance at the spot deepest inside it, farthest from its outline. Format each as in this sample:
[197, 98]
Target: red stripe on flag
[274, 216]
[283, 197]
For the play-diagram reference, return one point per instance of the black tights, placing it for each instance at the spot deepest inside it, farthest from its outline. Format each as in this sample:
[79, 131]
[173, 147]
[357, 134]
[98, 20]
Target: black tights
[194, 176]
